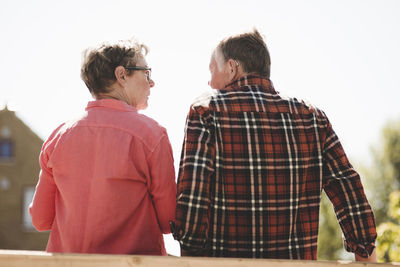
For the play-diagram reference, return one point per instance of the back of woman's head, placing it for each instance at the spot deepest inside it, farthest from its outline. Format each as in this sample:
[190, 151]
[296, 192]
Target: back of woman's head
[99, 63]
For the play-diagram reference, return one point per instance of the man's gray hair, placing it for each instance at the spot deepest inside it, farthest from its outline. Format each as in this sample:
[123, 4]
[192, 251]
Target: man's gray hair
[250, 50]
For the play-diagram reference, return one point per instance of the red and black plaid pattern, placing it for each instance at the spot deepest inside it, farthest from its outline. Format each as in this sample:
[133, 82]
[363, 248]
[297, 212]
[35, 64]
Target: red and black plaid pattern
[252, 169]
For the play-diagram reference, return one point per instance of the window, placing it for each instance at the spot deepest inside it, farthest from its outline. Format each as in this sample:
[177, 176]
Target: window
[6, 149]
[28, 192]
[5, 132]
[4, 184]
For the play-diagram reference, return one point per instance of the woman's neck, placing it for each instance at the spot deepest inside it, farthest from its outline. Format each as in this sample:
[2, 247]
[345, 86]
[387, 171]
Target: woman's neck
[113, 94]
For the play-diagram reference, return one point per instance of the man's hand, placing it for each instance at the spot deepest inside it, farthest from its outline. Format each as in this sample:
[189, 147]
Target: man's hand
[371, 258]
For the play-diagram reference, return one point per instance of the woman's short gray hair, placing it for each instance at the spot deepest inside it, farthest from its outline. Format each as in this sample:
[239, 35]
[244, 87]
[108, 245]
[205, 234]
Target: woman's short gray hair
[99, 63]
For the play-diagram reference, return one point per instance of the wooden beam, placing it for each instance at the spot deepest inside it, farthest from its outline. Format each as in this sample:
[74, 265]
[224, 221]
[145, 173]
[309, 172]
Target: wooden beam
[21, 258]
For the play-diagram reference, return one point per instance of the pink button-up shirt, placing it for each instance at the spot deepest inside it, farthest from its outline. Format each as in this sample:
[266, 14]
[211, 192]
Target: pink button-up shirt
[107, 183]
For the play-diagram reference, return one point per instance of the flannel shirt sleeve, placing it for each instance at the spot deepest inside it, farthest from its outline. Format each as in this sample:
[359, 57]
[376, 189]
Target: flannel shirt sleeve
[343, 186]
[196, 170]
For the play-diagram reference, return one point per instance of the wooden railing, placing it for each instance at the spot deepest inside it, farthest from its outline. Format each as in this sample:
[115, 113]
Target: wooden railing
[21, 258]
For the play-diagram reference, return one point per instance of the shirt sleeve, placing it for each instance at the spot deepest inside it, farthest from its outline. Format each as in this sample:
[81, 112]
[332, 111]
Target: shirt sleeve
[343, 186]
[163, 186]
[196, 170]
[42, 208]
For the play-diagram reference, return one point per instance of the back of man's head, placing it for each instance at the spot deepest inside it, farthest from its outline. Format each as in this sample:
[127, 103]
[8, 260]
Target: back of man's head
[250, 50]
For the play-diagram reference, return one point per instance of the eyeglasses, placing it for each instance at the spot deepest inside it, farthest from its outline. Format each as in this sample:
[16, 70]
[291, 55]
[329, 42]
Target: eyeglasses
[148, 70]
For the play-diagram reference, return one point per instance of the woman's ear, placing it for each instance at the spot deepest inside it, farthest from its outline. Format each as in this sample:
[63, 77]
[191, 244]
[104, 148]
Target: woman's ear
[120, 75]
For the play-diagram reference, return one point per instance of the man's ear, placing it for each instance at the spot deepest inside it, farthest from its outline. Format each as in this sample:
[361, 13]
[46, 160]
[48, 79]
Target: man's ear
[120, 75]
[232, 68]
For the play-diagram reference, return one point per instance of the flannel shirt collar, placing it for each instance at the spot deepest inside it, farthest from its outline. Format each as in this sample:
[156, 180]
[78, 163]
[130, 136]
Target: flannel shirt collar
[250, 80]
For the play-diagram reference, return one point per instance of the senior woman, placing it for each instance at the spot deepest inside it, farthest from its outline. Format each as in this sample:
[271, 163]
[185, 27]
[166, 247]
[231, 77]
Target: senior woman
[107, 181]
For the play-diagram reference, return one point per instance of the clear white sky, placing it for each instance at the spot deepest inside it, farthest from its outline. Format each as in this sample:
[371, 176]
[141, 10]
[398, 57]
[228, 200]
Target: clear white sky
[341, 55]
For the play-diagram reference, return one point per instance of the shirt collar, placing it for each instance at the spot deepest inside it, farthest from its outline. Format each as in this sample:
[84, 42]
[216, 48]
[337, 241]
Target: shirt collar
[110, 103]
[252, 80]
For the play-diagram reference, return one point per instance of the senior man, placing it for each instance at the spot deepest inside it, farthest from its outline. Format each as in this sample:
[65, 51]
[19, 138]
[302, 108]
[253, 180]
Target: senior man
[254, 164]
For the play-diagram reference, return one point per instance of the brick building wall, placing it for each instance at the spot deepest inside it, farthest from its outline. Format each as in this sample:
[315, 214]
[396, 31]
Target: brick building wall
[19, 170]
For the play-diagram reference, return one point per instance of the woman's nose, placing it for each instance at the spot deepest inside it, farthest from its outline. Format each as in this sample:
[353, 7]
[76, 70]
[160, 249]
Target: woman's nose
[151, 82]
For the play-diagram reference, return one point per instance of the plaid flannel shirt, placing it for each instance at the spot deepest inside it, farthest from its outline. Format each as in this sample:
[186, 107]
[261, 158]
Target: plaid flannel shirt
[252, 169]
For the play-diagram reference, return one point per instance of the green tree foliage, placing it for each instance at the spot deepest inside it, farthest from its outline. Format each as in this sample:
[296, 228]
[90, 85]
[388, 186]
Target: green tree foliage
[383, 176]
[330, 243]
[388, 248]
[383, 182]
